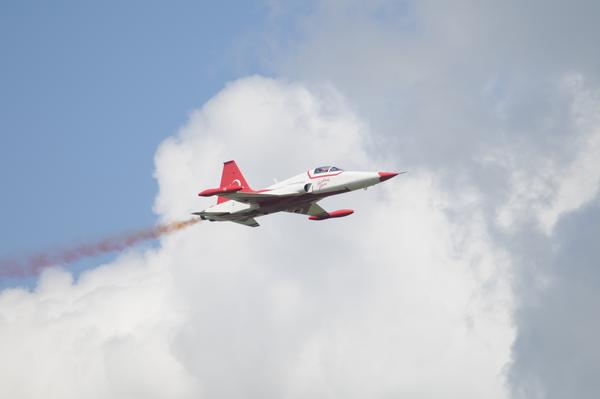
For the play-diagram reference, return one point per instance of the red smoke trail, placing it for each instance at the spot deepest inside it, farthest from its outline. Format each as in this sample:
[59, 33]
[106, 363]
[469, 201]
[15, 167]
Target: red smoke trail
[33, 265]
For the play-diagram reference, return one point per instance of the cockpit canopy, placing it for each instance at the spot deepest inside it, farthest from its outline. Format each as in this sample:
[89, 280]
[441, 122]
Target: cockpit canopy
[325, 169]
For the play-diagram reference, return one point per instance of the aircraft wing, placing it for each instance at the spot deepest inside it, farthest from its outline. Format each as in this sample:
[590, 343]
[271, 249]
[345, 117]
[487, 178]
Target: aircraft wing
[257, 197]
[247, 222]
[311, 209]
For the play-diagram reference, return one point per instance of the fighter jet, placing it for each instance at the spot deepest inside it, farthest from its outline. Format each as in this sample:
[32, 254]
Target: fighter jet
[237, 202]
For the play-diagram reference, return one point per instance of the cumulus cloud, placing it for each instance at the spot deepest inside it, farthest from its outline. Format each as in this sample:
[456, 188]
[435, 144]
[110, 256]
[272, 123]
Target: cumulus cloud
[497, 96]
[475, 268]
[552, 185]
[409, 296]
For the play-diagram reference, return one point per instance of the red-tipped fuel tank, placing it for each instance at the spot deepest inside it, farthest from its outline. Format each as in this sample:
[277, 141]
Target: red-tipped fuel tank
[333, 214]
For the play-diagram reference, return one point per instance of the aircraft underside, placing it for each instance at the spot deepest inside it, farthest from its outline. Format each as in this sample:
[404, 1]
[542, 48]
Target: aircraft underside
[300, 204]
[237, 202]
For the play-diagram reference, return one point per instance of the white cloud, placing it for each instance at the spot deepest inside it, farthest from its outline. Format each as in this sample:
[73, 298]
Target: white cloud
[491, 95]
[549, 186]
[106, 336]
[579, 181]
[399, 298]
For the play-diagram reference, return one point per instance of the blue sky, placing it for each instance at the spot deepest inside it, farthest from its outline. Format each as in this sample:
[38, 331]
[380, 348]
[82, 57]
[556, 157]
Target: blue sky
[89, 89]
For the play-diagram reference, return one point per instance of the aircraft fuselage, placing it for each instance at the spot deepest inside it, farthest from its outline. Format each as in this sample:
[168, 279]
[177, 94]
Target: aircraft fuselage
[298, 194]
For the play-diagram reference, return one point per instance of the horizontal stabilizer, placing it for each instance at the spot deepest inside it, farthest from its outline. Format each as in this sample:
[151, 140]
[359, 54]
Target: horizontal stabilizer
[247, 222]
[219, 191]
[203, 213]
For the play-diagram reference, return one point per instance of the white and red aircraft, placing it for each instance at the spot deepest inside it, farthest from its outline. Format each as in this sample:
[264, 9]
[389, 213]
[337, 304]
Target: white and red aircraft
[238, 203]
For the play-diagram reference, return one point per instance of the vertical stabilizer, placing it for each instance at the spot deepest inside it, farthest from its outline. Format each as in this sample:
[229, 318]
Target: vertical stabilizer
[232, 176]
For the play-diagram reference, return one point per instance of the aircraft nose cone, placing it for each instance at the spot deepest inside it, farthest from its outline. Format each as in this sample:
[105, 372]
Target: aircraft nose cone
[383, 176]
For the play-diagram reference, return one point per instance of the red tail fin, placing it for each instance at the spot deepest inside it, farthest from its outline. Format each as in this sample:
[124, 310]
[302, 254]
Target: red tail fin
[232, 176]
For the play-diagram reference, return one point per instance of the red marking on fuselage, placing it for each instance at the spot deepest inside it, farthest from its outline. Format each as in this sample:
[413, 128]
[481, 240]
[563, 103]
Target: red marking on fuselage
[322, 183]
[324, 175]
[249, 190]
